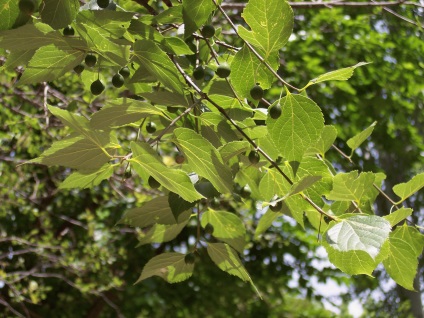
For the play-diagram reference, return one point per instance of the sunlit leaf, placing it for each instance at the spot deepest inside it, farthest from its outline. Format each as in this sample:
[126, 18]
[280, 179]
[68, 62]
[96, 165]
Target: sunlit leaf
[405, 190]
[359, 233]
[351, 186]
[204, 159]
[160, 233]
[406, 245]
[298, 127]
[145, 158]
[398, 216]
[271, 24]
[170, 266]
[59, 13]
[87, 179]
[227, 227]
[357, 140]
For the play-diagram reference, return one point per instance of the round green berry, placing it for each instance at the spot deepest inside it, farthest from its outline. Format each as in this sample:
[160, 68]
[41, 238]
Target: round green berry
[256, 92]
[118, 80]
[223, 70]
[151, 127]
[208, 31]
[97, 87]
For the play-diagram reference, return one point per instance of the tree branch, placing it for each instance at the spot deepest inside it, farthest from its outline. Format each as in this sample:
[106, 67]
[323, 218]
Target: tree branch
[330, 4]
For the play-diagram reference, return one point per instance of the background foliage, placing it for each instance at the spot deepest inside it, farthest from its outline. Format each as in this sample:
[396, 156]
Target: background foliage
[62, 251]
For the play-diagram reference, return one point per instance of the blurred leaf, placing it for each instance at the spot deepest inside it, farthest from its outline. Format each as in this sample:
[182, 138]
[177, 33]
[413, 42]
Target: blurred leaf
[160, 233]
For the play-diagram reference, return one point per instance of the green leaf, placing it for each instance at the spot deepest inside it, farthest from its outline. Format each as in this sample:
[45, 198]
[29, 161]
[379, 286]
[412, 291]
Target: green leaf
[351, 262]
[351, 187]
[155, 211]
[303, 184]
[359, 233]
[160, 233]
[342, 74]
[247, 70]
[87, 179]
[204, 159]
[166, 98]
[273, 183]
[298, 127]
[406, 245]
[232, 149]
[325, 141]
[49, 63]
[74, 152]
[170, 266]
[122, 111]
[59, 13]
[195, 14]
[227, 227]
[159, 64]
[18, 58]
[398, 216]
[357, 140]
[266, 221]
[176, 46]
[145, 158]
[171, 15]
[110, 24]
[28, 37]
[271, 22]
[10, 15]
[405, 190]
[227, 260]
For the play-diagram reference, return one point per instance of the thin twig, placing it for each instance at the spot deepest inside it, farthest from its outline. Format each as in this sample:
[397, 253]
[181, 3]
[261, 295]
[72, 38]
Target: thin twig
[329, 4]
[14, 311]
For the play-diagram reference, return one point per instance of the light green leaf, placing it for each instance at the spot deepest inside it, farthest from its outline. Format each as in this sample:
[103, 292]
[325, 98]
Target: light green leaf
[232, 149]
[171, 15]
[352, 262]
[73, 152]
[357, 140]
[59, 13]
[18, 58]
[247, 70]
[204, 159]
[338, 75]
[324, 142]
[145, 158]
[298, 127]
[121, 112]
[49, 63]
[406, 245]
[359, 233]
[159, 64]
[176, 46]
[195, 14]
[227, 227]
[110, 24]
[227, 260]
[155, 211]
[273, 183]
[233, 107]
[160, 233]
[271, 22]
[398, 216]
[303, 184]
[265, 222]
[405, 190]
[87, 179]
[351, 187]
[170, 266]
